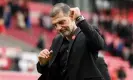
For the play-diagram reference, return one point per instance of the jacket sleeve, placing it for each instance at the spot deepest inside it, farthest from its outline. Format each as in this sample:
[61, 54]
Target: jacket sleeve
[93, 37]
[44, 68]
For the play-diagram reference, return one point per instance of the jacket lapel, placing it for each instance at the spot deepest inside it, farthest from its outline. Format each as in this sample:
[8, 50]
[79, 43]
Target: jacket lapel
[72, 41]
[56, 50]
[59, 45]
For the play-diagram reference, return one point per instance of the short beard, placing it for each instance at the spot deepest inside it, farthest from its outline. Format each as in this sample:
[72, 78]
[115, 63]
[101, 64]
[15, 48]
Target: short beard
[66, 34]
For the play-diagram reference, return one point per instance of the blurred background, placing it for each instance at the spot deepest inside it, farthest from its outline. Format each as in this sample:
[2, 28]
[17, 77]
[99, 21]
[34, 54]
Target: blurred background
[25, 29]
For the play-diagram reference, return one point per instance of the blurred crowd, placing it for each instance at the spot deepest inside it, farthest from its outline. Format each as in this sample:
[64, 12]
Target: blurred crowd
[117, 31]
[20, 13]
[17, 10]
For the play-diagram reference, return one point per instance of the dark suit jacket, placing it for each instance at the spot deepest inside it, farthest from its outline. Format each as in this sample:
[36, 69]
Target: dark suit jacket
[102, 66]
[82, 55]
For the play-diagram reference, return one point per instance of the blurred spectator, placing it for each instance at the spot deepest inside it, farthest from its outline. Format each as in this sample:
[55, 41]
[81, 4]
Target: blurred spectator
[10, 11]
[124, 30]
[23, 15]
[25, 11]
[14, 6]
[115, 22]
[94, 19]
[126, 53]
[41, 42]
[121, 74]
[130, 58]
[105, 20]
[21, 20]
[45, 21]
[2, 27]
[7, 16]
[1, 9]
[115, 46]
[15, 66]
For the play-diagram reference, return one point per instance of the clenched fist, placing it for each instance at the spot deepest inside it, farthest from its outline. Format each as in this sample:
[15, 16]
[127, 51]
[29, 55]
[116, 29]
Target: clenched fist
[44, 56]
[76, 12]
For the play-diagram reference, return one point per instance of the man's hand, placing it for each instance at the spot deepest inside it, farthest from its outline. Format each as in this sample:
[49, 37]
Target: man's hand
[44, 56]
[76, 12]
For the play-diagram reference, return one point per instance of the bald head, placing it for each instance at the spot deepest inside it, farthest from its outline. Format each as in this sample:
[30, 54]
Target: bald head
[59, 7]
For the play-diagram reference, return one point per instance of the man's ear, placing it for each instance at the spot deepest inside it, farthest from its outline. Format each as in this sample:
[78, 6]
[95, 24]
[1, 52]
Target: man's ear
[72, 14]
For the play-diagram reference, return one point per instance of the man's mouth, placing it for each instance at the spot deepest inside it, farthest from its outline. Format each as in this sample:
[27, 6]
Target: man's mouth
[63, 31]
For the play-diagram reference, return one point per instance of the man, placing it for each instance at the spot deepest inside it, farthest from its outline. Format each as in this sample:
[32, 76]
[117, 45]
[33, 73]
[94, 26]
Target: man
[74, 51]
